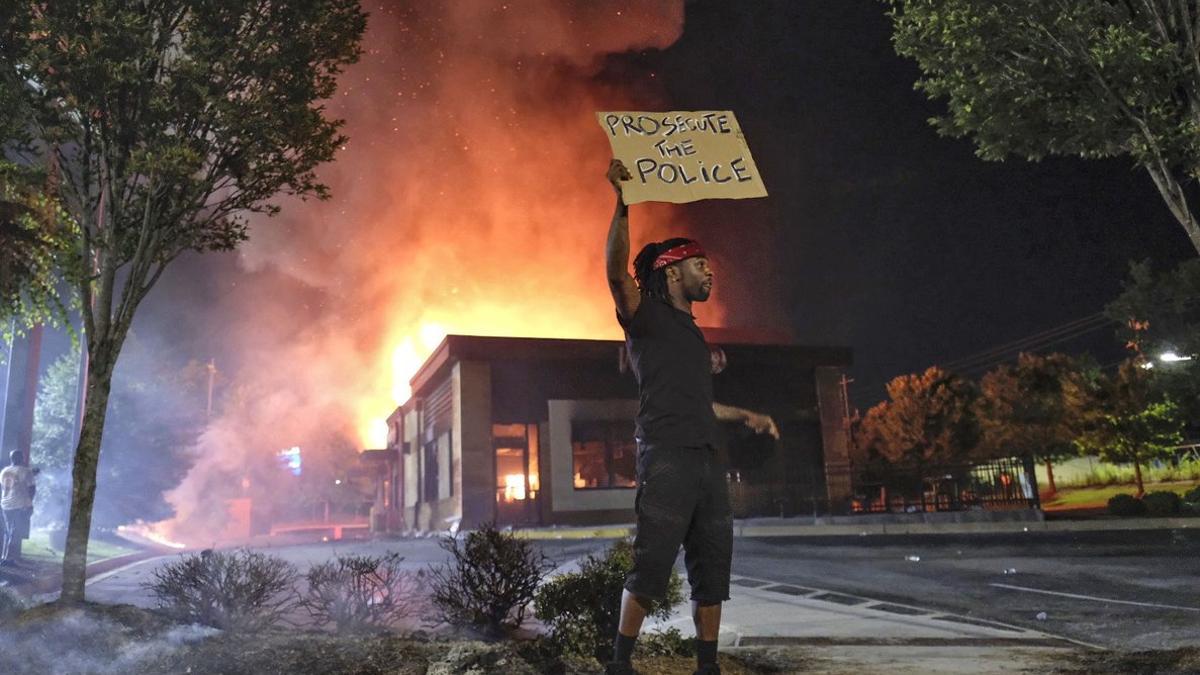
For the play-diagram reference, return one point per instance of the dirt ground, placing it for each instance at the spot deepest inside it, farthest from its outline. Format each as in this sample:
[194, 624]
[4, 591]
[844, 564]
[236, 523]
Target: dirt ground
[112, 639]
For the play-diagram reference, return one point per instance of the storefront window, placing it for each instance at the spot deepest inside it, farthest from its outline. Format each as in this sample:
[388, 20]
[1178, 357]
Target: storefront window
[604, 454]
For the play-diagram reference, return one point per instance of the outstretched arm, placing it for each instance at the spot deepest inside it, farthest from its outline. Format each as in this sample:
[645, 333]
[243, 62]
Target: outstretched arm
[761, 424]
[616, 254]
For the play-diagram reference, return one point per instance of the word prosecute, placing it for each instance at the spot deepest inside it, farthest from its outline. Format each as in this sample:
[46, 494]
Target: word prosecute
[646, 125]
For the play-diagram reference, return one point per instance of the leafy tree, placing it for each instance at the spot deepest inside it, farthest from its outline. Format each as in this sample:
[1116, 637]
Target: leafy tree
[1160, 313]
[1133, 424]
[35, 248]
[927, 419]
[1035, 408]
[54, 414]
[169, 121]
[1093, 78]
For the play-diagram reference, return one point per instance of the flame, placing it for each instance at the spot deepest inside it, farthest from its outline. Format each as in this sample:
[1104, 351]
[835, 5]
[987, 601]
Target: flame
[152, 532]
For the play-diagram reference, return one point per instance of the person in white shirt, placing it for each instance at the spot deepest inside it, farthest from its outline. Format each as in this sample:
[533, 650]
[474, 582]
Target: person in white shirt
[16, 501]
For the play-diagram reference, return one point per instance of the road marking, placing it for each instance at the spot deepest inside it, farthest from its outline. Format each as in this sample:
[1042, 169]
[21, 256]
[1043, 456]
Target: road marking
[1097, 599]
[101, 577]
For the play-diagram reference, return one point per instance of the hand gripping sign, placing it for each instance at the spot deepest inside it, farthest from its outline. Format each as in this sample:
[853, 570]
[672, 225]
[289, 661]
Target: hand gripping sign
[682, 156]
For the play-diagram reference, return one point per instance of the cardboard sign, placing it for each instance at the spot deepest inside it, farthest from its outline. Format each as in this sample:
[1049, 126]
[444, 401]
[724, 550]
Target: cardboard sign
[682, 156]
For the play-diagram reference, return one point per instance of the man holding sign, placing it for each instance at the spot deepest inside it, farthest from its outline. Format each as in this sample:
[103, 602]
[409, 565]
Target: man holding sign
[682, 497]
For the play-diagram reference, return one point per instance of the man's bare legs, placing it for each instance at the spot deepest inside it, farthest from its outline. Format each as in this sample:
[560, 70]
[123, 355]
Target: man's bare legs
[707, 618]
[708, 621]
[633, 612]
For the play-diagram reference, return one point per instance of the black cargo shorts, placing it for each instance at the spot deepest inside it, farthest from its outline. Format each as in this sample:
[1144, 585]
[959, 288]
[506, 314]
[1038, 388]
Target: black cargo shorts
[682, 499]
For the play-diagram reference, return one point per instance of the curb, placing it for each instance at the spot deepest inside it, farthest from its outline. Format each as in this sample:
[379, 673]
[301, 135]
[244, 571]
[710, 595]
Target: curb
[797, 530]
[51, 583]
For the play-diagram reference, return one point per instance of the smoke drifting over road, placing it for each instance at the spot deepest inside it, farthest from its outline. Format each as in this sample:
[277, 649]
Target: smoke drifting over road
[469, 199]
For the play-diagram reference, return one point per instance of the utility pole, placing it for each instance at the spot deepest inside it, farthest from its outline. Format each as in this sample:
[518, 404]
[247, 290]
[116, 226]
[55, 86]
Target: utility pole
[845, 382]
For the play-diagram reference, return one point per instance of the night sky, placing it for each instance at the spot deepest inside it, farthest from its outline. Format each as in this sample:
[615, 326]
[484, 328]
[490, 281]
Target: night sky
[877, 234]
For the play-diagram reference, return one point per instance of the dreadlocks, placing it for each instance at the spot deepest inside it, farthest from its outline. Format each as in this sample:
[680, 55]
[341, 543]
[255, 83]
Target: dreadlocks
[652, 282]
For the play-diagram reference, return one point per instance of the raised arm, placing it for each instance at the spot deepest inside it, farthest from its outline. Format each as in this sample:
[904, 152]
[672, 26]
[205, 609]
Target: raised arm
[616, 254]
[761, 424]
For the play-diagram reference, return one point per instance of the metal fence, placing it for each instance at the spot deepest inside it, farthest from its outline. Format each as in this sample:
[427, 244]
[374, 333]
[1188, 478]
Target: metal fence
[1002, 484]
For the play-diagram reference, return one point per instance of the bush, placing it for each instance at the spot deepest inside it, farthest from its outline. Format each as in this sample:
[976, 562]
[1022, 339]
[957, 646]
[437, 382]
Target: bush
[489, 582]
[1162, 503]
[1126, 505]
[11, 604]
[669, 642]
[230, 590]
[360, 594]
[1192, 496]
[583, 608]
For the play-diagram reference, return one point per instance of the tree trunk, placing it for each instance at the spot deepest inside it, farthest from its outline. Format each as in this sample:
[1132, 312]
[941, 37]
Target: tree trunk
[1050, 478]
[83, 482]
[1137, 474]
[1175, 197]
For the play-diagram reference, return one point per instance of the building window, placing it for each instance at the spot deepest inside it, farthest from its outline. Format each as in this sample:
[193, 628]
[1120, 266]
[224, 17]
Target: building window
[604, 454]
[517, 476]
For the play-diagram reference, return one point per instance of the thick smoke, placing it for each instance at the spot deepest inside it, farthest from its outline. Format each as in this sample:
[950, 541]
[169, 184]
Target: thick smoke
[469, 199]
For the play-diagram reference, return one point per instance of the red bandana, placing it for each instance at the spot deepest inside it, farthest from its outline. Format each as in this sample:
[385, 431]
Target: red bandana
[677, 253]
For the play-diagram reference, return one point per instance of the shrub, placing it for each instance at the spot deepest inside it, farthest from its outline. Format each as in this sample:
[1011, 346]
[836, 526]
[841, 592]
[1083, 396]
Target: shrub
[1162, 503]
[1125, 505]
[240, 590]
[11, 604]
[669, 642]
[583, 608]
[490, 580]
[1192, 496]
[357, 594]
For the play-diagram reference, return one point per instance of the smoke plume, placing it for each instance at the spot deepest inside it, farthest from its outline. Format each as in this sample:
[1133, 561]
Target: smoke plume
[470, 198]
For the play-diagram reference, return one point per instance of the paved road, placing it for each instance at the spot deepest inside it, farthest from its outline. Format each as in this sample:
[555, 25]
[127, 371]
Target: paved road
[1130, 590]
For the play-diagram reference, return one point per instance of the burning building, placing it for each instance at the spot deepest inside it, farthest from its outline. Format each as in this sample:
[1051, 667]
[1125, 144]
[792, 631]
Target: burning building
[534, 431]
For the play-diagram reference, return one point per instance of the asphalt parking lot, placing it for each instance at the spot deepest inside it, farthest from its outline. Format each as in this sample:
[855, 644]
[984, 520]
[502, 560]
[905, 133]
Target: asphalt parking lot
[1122, 590]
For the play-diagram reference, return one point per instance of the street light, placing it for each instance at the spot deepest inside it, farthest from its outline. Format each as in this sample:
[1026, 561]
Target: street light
[1172, 357]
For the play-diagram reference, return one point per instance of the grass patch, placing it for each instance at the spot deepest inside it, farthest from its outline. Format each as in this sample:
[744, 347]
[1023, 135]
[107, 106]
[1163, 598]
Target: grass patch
[37, 548]
[1097, 497]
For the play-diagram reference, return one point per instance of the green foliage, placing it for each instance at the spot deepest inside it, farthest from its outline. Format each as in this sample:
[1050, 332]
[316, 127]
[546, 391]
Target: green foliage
[1036, 407]
[1076, 77]
[669, 642]
[1126, 505]
[583, 608]
[238, 590]
[11, 604]
[489, 582]
[1160, 312]
[36, 238]
[1131, 423]
[1192, 496]
[1162, 503]
[360, 594]
[929, 418]
[54, 415]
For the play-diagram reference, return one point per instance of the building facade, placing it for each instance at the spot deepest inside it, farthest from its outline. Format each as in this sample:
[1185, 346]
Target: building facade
[529, 432]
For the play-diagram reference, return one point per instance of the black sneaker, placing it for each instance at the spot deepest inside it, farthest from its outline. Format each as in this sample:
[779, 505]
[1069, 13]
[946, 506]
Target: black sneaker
[619, 668]
[708, 669]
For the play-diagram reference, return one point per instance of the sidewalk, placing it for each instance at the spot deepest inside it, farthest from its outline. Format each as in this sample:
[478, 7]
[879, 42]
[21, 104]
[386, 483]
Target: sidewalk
[818, 527]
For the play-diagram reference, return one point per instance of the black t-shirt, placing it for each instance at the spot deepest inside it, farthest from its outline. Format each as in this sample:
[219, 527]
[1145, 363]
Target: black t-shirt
[674, 372]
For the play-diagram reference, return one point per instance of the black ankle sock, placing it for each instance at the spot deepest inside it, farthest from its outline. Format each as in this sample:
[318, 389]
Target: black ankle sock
[706, 651]
[623, 648]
